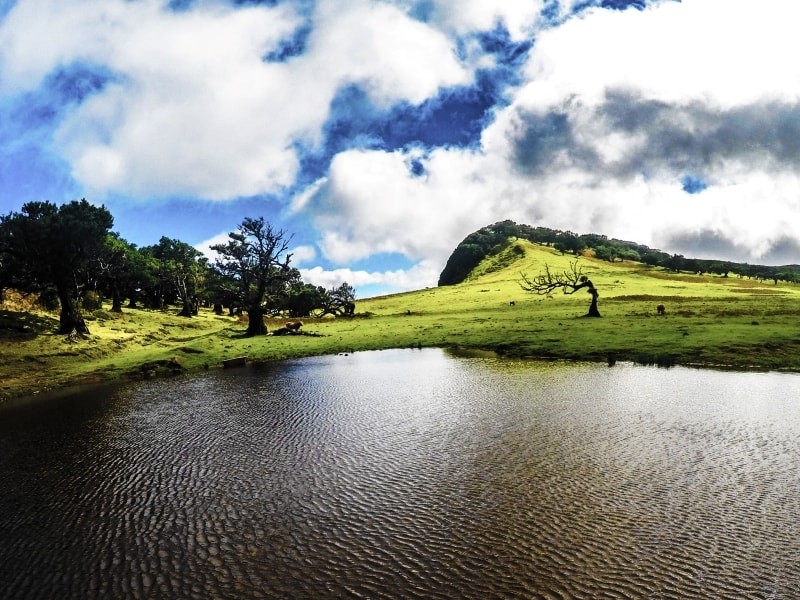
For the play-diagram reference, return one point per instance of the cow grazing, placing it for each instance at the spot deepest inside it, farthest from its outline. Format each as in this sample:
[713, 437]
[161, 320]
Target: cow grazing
[661, 309]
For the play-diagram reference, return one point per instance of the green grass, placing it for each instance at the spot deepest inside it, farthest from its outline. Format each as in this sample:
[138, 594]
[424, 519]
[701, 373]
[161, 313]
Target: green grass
[710, 321]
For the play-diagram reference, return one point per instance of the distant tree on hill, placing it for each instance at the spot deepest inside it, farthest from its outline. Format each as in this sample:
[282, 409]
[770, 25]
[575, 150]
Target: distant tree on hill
[473, 249]
[568, 281]
[461, 262]
[256, 260]
[45, 246]
[675, 263]
[569, 243]
[613, 251]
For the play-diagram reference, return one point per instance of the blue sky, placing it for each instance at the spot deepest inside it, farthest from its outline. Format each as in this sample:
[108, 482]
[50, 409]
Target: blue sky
[381, 132]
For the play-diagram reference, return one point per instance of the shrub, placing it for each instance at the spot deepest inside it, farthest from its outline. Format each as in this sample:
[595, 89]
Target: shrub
[48, 299]
[91, 301]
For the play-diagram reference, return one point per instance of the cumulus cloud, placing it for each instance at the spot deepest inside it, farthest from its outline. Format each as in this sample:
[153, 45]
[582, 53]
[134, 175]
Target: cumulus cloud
[400, 126]
[396, 280]
[615, 116]
[195, 108]
[626, 135]
[205, 246]
[375, 201]
[303, 254]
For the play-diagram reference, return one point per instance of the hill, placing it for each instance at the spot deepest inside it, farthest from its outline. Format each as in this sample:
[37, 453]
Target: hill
[711, 320]
[490, 239]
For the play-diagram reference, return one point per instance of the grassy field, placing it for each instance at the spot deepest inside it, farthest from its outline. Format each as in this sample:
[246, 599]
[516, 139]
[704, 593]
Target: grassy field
[710, 321]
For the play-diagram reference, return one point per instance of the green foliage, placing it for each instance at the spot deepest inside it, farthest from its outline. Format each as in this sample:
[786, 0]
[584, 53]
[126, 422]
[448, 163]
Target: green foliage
[462, 261]
[304, 298]
[179, 271]
[91, 300]
[338, 301]
[255, 261]
[473, 249]
[48, 299]
[569, 243]
[45, 245]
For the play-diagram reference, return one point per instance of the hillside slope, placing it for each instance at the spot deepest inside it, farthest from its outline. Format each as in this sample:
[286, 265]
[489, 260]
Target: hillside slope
[711, 321]
[487, 241]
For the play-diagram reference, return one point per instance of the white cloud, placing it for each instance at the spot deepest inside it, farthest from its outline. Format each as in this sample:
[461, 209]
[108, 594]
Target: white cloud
[423, 274]
[195, 110]
[614, 109]
[378, 46]
[303, 254]
[722, 52]
[205, 246]
[372, 203]
[465, 16]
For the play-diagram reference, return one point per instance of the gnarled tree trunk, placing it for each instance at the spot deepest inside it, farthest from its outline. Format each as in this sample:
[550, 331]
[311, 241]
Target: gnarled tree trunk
[187, 308]
[568, 281]
[255, 321]
[116, 300]
[70, 319]
[593, 312]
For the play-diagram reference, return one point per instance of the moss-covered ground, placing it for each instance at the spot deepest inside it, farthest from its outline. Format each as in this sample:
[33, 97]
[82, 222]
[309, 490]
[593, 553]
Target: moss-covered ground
[710, 321]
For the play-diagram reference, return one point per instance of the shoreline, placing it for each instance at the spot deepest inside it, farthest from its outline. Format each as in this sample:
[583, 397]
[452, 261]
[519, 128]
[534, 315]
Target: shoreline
[25, 394]
[710, 323]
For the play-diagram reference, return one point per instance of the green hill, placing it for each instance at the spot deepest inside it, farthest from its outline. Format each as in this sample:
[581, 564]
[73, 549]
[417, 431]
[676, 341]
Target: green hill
[491, 239]
[711, 320]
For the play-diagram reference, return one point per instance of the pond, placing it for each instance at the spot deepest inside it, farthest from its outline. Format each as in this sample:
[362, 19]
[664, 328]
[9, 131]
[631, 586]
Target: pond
[407, 474]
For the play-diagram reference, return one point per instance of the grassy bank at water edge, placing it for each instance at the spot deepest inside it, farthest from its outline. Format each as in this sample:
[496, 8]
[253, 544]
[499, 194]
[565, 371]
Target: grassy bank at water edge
[710, 321]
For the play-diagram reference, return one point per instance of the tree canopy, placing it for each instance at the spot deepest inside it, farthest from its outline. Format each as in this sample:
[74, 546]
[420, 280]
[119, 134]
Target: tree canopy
[45, 245]
[69, 257]
[256, 258]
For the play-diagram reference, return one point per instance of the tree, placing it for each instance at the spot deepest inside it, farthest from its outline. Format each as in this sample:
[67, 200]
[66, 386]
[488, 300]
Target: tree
[256, 258]
[304, 298]
[114, 265]
[181, 267]
[337, 301]
[45, 245]
[676, 263]
[568, 242]
[568, 281]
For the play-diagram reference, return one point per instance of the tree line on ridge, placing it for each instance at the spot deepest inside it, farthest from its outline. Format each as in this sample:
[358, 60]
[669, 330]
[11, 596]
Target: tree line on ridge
[487, 240]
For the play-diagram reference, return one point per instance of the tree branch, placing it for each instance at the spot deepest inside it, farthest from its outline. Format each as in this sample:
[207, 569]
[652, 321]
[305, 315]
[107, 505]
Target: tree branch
[569, 281]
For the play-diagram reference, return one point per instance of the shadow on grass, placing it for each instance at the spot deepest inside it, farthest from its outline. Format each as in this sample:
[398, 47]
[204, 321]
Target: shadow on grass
[23, 325]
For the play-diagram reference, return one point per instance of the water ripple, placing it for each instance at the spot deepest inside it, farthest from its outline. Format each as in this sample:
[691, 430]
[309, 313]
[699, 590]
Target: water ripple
[407, 474]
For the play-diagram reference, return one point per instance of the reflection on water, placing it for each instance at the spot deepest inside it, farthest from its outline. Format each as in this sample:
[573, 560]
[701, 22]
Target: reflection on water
[404, 474]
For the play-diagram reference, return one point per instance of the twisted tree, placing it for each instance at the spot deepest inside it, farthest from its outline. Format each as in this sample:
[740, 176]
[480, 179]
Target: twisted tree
[335, 301]
[256, 260]
[569, 281]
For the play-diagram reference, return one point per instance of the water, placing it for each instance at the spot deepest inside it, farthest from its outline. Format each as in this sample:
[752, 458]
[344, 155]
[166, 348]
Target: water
[407, 474]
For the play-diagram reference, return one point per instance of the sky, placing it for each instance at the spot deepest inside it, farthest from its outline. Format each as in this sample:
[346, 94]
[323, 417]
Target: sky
[379, 133]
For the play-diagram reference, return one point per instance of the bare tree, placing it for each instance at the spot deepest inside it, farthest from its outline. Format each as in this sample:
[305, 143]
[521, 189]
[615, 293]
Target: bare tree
[569, 281]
